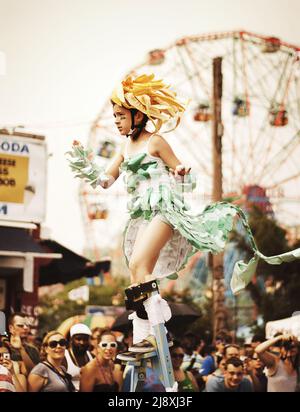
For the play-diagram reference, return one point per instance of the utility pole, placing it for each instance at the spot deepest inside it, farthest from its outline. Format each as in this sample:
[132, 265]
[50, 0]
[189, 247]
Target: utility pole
[216, 261]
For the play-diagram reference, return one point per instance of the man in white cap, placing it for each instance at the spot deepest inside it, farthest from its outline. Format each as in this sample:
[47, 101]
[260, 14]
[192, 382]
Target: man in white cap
[78, 354]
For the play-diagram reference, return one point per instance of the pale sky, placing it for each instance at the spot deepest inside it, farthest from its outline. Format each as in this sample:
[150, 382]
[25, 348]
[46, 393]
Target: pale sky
[63, 57]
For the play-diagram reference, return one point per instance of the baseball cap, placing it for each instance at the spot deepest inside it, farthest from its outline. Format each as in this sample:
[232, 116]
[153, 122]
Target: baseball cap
[80, 329]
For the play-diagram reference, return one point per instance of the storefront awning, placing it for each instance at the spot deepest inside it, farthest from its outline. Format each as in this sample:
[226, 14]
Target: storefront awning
[64, 265]
[18, 250]
[17, 242]
[71, 267]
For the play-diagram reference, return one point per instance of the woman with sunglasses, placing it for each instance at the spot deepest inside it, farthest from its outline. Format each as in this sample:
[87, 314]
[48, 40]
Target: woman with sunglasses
[101, 374]
[185, 379]
[50, 375]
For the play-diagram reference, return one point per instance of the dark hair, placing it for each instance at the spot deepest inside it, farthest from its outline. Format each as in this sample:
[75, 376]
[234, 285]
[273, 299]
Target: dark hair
[249, 351]
[192, 338]
[236, 362]
[5, 344]
[219, 360]
[176, 345]
[13, 315]
[208, 350]
[228, 339]
[137, 129]
[257, 338]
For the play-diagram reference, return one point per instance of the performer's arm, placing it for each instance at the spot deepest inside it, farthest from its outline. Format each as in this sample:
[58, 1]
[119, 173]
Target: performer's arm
[82, 163]
[165, 152]
[112, 172]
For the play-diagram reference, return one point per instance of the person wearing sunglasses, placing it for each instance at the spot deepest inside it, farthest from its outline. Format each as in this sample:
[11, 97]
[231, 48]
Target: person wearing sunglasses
[185, 379]
[21, 351]
[101, 374]
[50, 375]
[78, 354]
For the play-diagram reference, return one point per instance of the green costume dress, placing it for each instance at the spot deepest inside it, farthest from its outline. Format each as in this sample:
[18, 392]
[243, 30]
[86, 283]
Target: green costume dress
[153, 192]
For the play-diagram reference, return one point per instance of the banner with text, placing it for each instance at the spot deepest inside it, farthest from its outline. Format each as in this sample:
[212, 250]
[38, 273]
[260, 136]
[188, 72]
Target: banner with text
[23, 167]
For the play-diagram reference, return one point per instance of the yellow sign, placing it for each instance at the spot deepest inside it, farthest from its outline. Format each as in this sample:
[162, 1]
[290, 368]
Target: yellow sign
[13, 178]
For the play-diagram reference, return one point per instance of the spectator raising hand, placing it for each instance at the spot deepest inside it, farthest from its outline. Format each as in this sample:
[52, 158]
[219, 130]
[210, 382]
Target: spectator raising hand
[282, 364]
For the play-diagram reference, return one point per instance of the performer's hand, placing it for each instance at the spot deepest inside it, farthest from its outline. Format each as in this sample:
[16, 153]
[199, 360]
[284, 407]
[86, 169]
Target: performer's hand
[105, 180]
[76, 143]
[180, 170]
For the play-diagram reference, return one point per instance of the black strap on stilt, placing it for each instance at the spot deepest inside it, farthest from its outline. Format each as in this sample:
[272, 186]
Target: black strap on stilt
[139, 293]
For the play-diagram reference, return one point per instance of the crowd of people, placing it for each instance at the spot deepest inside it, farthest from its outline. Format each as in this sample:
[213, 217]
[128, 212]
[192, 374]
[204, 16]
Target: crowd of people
[86, 361]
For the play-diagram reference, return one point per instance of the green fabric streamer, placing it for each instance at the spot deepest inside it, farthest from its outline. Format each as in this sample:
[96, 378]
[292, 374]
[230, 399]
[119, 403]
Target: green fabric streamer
[207, 231]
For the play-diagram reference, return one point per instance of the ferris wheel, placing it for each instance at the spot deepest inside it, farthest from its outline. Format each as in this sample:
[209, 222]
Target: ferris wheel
[260, 115]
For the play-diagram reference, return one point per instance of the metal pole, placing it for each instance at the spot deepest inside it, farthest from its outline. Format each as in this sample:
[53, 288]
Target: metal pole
[219, 310]
[217, 129]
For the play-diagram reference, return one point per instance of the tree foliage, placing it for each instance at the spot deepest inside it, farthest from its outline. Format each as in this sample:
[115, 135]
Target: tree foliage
[56, 308]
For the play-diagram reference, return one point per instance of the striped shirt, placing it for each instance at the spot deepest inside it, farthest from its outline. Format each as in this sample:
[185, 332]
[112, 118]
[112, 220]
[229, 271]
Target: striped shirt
[6, 381]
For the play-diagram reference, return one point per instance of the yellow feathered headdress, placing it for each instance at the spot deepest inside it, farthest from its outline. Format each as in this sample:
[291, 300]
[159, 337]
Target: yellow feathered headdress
[149, 96]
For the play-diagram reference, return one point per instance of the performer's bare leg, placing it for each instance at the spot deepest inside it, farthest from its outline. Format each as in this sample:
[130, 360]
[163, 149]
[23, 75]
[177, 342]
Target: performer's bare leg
[149, 242]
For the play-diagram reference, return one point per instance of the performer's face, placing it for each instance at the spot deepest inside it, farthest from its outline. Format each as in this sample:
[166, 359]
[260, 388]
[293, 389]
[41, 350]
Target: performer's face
[122, 119]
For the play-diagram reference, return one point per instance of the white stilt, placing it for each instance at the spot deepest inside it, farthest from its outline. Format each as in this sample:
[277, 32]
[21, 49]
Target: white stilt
[160, 361]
